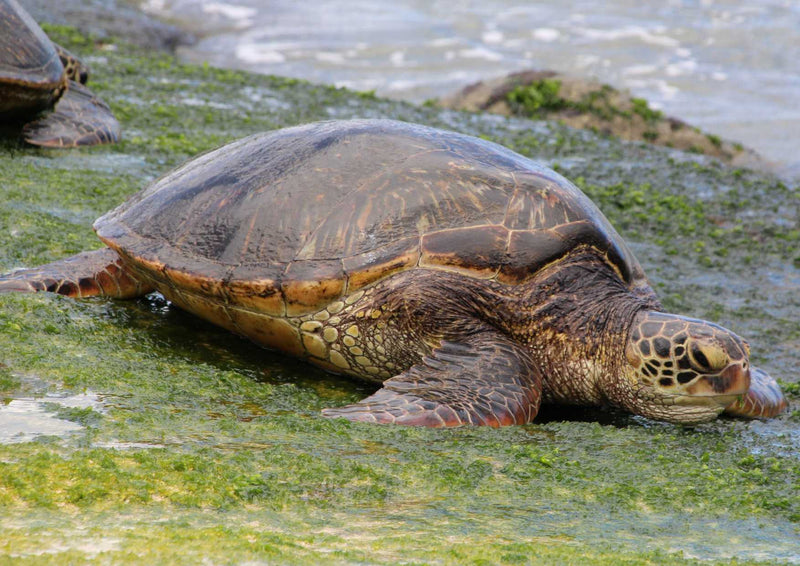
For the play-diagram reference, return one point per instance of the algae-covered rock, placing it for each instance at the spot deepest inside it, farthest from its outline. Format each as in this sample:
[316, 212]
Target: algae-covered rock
[193, 445]
[591, 105]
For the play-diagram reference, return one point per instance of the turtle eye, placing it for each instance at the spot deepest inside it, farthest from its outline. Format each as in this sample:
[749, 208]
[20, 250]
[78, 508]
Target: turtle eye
[707, 358]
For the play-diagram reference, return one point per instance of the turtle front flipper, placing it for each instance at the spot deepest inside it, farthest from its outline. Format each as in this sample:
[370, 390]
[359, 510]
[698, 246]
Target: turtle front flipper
[486, 379]
[763, 400]
[79, 118]
[100, 272]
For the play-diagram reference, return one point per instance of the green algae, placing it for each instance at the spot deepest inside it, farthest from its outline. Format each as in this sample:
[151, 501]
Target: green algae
[207, 448]
[537, 97]
[540, 97]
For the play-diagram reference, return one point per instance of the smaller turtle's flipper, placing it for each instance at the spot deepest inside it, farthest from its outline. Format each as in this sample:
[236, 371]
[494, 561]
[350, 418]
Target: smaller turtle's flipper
[79, 118]
[100, 272]
[764, 399]
[484, 380]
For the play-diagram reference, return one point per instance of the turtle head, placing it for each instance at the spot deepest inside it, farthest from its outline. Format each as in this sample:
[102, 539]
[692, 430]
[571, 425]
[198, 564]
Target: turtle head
[684, 370]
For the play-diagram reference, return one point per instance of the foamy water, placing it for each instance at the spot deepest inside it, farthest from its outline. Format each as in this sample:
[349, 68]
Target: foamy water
[731, 67]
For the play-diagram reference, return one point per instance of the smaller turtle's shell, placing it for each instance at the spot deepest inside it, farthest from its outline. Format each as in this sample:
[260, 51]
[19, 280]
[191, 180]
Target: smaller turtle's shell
[291, 221]
[31, 74]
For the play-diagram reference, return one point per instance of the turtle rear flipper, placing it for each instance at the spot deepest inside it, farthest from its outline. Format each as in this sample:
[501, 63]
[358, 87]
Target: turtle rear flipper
[79, 118]
[100, 272]
[484, 380]
[764, 399]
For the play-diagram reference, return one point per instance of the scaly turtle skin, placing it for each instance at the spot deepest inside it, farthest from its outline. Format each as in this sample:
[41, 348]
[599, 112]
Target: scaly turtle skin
[42, 87]
[470, 281]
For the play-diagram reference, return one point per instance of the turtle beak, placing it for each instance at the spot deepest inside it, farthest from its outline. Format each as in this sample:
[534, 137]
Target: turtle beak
[764, 399]
[732, 381]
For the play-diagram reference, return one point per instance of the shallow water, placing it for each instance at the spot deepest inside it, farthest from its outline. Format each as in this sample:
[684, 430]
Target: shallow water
[27, 418]
[730, 67]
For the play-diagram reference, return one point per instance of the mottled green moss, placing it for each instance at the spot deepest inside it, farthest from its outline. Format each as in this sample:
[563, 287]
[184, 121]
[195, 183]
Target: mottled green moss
[642, 108]
[537, 97]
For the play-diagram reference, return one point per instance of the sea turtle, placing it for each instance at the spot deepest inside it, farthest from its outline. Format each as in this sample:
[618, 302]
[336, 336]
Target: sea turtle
[472, 282]
[42, 87]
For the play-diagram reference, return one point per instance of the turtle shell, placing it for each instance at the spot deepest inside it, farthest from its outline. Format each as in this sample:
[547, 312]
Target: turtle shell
[287, 222]
[32, 76]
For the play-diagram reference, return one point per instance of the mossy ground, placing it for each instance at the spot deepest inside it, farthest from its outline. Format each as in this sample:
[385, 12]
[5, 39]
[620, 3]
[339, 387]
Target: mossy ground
[203, 447]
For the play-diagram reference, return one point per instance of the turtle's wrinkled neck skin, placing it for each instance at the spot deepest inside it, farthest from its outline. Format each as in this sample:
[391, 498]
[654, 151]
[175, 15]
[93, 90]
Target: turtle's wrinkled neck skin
[579, 338]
